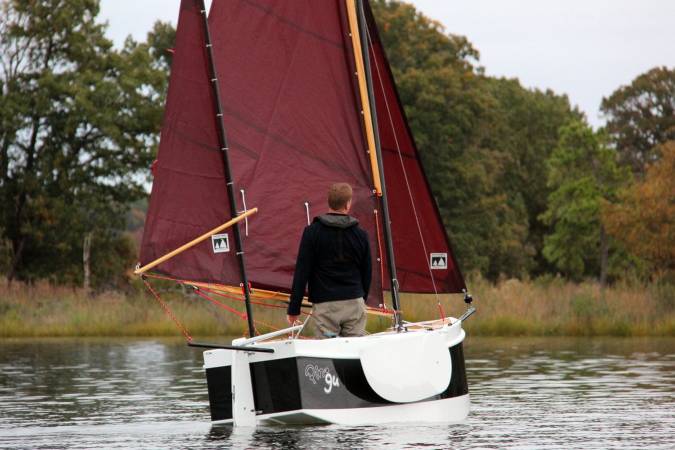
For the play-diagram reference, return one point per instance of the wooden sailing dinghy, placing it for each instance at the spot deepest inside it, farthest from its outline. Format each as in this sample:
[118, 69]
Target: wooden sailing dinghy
[269, 102]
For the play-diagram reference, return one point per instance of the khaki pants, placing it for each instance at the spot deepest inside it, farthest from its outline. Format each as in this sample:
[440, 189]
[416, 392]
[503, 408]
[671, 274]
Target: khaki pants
[346, 318]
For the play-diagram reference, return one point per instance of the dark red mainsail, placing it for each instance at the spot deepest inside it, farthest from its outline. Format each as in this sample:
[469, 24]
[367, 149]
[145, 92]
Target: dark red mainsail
[294, 126]
[286, 78]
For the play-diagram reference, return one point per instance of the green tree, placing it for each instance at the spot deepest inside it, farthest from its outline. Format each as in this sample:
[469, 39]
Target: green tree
[159, 44]
[445, 102]
[526, 132]
[414, 42]
[78, 128]
[582, 172]
[641, 116]
[483, 141]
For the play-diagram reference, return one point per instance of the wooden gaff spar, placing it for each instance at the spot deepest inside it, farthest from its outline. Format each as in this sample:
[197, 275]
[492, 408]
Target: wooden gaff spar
[195, 241]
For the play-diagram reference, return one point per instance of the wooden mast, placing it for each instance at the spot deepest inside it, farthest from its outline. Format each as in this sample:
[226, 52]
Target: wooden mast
[222, 138]
[360, 33]
[371, 135]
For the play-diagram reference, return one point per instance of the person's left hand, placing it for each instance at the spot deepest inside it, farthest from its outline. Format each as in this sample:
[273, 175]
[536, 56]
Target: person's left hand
[292, 319]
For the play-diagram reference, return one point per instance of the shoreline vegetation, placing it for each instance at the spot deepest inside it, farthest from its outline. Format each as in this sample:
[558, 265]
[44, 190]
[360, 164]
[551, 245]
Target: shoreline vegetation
[543, 307]
[525, 186]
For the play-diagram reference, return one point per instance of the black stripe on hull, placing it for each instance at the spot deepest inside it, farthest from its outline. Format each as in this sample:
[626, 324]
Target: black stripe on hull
[290, 384]
[219, 382]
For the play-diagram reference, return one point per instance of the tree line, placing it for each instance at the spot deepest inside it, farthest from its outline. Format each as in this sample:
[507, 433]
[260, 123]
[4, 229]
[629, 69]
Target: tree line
[526, 187]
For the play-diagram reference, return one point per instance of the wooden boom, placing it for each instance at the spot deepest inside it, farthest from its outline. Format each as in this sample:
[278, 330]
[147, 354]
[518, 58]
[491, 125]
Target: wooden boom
[194, 242]
[273, 296]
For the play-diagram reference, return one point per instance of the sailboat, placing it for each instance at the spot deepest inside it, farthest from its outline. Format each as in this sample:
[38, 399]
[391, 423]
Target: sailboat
[269, 102]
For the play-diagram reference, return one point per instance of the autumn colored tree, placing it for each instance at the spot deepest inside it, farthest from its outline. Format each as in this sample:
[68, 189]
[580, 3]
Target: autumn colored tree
[641, 116]
[643, 215]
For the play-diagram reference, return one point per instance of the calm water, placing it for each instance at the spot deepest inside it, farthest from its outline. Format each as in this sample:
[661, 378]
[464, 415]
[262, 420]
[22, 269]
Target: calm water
[526, 393]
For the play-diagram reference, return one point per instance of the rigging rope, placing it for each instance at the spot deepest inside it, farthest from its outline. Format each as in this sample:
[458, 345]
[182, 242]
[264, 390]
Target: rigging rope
[239, 299]
[222, 305]
[241, 315]
[168, 311]
[405, 174]
[254, 292]
[200, 291]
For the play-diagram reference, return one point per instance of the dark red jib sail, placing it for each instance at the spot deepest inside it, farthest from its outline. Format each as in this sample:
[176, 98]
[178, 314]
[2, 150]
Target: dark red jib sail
[294, 126]
[424, 258]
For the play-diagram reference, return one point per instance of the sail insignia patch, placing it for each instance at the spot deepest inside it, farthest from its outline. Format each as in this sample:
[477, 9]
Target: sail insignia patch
[221, 243]
[439, 261]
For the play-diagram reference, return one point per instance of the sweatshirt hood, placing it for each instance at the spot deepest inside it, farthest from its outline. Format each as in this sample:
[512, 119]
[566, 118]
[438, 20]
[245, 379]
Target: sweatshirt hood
[337, 220]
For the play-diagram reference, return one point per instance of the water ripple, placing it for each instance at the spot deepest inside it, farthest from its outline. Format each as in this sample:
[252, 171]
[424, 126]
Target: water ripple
[526, 393]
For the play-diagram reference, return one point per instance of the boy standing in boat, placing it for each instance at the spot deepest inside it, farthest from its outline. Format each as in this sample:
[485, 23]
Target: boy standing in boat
[334, 260]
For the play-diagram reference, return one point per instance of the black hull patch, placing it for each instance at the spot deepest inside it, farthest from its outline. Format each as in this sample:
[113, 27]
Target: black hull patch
[219, 382]
[275, 385]
[458, 384]
[290, 384]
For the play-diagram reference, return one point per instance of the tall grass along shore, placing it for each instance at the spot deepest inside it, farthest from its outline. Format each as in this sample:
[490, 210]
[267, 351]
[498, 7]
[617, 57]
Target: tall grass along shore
[509, 308]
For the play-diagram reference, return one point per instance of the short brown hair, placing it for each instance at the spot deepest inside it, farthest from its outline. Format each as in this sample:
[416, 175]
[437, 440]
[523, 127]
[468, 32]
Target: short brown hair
[339, 195]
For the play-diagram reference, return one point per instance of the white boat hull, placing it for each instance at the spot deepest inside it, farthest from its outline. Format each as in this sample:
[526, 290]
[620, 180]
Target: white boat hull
[449, 410]
[417, 375]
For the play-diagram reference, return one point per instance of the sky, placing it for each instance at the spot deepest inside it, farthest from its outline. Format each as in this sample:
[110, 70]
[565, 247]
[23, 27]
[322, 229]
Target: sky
[583, 48]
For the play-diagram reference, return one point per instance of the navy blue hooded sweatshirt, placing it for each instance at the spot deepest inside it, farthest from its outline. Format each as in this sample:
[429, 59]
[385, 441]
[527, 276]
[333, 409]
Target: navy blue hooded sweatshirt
[333, 259]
